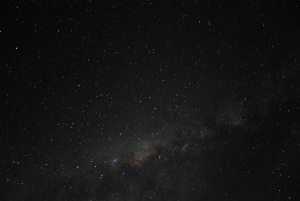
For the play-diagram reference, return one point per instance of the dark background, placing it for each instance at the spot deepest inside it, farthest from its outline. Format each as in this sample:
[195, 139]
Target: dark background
[149, 100]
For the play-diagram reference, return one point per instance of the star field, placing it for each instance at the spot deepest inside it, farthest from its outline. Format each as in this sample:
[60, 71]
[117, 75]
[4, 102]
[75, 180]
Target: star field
[149, 100]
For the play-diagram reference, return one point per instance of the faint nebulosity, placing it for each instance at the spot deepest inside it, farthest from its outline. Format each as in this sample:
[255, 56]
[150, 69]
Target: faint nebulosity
[149, 100]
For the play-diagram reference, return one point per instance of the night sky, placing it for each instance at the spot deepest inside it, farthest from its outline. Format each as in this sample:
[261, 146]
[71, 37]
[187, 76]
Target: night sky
[150, 100]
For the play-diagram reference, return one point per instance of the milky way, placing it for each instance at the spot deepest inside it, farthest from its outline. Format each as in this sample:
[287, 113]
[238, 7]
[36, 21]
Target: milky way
[149, 100]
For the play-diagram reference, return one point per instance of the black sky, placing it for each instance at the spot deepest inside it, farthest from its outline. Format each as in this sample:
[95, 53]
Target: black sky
[149, 100]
